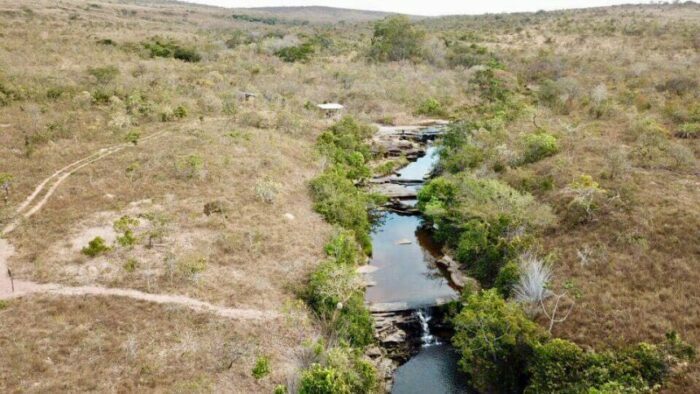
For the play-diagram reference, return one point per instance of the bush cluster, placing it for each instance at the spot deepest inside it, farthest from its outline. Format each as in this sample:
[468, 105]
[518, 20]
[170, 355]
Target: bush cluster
[158, 48]
[340, 370]
[538, 146]
[298, 53]
[335, 292]
[504, 351]
[335, 193]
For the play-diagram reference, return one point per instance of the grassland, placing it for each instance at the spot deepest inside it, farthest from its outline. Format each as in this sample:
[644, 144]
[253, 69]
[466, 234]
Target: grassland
[615, 86]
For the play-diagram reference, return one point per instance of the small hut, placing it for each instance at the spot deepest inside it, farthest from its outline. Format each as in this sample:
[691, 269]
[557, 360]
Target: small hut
[330, 109]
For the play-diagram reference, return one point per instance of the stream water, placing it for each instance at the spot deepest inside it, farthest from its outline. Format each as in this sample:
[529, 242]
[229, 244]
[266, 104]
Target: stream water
[404, 255]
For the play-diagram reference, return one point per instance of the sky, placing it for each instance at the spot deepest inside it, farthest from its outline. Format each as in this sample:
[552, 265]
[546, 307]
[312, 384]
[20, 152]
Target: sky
[428, 7]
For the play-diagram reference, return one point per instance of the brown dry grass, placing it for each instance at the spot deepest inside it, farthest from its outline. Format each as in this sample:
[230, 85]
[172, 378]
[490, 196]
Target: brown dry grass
[119, 345]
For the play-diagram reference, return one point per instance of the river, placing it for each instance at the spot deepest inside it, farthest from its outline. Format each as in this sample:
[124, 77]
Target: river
[404, 255]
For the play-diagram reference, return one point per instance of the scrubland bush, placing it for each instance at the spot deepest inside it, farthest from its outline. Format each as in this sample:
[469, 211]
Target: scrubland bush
[586, 198]
[601, 105]
[190, 166]
[266, 190]
[5, 183]
[560, 95]
[132, 137]
[336, 292]
[261, 368]
[125, 225]
[679, 86]
[104, 75]
[340, 202]
[654, 149]
[96, 247]
[130, 265]
[335, 194]
[431, 107]
[396, 38]
[190, 266]
[170, 49]
[561, 366]
[299, 53]
[461, 54]
[484, 220]
[689, 130]
[507, 278]
[539, 146]
[342, 371]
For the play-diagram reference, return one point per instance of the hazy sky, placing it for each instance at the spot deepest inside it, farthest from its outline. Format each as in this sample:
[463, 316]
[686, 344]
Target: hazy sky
[428, 7]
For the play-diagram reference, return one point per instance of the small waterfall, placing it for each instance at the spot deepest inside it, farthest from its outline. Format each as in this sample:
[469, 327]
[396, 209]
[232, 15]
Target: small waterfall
[424, 316]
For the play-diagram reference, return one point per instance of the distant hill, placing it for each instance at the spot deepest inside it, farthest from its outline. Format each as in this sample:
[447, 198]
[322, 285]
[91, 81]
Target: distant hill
[315, 14]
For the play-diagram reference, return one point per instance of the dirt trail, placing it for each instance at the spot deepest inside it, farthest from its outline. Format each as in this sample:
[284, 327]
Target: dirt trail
[17, 288]
[23, 288]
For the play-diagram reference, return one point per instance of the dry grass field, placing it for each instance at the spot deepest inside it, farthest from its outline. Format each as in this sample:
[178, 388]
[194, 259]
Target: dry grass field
[219, 197]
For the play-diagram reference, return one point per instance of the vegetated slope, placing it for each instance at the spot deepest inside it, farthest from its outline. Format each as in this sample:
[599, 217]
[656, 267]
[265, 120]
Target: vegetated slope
[219, 208]
[316, 14]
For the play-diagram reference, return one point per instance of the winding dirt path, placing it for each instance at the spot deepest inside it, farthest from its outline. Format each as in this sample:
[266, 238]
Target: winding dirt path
[10, 288]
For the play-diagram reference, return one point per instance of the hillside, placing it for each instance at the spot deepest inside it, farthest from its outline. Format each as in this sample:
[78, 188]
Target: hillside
[315, 14]
[162, 213]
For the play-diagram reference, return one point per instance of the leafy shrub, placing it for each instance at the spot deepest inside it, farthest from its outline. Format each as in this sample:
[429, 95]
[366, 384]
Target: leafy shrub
[170, 49]
[538, 146]
[299, 53]
[461, 54]
[586, 199]
[130, 265]
[180, 112]
[340, 202]
[390, 166]
[342, 370]
[561, 366]
[496, 341]
[105, 74]
[679, 86]
[335, 292]
[322, 380]
[558, 366]
[280, 389]
[453, 201]
[191, 266]
[190, 166]
[343, 248]
[507, 278]
[485, 249]
[106, 42]
[54, 93]
[5, 182]
[345, 144]
[132, 137]
[266, 190]
[261, 368]
[95, 247]
[394, 39]
[689, 130]
[430, 107]
[336, 196]
[187, 54]
[125, 226]
[490, 86]
[4, 304]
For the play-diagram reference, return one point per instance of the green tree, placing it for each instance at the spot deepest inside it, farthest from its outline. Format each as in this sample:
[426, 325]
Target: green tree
[395, 38]
[496, 340]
